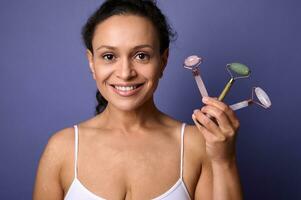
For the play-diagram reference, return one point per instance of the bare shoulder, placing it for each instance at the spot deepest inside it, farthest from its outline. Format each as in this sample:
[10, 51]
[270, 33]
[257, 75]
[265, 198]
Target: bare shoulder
[58, 146]
[194, 141]
[48, 182]
[60, 142]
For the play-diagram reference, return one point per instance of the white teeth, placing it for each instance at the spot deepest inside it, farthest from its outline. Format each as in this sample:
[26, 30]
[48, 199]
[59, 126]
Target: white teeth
[125, 88]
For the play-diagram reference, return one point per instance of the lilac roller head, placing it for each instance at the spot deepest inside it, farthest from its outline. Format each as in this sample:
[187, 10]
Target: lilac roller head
[192, 63]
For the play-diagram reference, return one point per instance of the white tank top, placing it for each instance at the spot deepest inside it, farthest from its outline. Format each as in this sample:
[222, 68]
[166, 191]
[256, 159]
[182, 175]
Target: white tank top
[77, 191]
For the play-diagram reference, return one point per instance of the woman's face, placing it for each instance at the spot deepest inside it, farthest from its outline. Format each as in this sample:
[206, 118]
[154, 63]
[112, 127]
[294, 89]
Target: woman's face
[126, 62]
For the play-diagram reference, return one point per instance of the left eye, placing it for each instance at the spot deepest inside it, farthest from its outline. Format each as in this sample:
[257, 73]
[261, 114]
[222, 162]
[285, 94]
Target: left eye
[142, 56]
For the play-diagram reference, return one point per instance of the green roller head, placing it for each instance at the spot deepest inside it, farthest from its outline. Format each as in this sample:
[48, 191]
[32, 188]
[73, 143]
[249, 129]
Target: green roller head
[239, 69]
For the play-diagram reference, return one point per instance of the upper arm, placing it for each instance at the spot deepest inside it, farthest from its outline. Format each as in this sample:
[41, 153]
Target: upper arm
[47, 183]
[204, 186]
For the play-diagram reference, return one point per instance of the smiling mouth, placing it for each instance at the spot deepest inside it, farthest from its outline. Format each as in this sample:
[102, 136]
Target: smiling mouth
[126, 88]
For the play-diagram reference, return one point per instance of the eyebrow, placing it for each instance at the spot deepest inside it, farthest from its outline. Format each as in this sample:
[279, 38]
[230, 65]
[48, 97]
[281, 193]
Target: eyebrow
[114, 48]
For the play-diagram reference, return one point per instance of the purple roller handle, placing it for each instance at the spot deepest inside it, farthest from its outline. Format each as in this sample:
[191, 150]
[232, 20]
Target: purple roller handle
[200, 83]
[192, 63]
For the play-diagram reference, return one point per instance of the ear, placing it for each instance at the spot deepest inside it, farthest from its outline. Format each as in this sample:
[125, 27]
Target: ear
[164, 59]
[91, 63]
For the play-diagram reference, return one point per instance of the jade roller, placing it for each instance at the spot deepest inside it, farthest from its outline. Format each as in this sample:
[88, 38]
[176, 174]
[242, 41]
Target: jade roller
[193, 62]
[263, 100]
[236, 71]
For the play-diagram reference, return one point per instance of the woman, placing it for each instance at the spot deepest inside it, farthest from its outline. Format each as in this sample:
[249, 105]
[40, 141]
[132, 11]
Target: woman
[131, 150]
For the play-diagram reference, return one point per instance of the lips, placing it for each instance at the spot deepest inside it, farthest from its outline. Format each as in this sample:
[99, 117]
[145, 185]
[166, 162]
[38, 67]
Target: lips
[126, 90]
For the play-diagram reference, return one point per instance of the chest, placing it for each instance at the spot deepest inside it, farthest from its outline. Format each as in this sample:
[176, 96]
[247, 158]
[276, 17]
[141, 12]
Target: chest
[129, 170]
[129, 163]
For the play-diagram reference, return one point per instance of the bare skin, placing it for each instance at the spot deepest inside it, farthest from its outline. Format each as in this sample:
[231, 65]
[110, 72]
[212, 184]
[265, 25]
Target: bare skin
[132, 150]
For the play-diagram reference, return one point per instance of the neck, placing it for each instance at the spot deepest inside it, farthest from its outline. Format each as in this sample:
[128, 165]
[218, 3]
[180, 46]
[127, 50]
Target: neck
[127, 121]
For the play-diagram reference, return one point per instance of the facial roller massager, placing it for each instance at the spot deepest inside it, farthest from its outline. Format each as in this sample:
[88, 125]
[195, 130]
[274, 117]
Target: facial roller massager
[193, 63]
[263, 100]
[236, 71]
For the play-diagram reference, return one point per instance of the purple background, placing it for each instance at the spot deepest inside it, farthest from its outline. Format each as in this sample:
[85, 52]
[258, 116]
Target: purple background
[45, 82]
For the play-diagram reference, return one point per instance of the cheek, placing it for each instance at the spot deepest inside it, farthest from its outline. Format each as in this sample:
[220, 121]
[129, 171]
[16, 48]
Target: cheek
[152, 72]
[102, 73]
[101, 76]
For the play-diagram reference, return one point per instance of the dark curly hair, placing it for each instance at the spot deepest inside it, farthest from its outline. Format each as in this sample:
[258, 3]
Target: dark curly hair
[143, 8]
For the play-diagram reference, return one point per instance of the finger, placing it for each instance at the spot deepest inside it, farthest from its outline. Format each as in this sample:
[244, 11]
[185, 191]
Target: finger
[206, 122]
[222, 119]
[224, 107]
[209, 137]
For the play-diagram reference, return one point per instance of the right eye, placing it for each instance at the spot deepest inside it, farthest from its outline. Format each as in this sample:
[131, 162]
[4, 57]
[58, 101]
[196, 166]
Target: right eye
[108, 57]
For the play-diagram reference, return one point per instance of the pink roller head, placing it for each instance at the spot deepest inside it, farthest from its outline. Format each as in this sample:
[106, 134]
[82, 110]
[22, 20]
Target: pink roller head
[192, 62]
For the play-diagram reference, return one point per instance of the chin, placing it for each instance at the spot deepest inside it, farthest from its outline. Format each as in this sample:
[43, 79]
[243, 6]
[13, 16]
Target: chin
[126, 107]
[129, 105]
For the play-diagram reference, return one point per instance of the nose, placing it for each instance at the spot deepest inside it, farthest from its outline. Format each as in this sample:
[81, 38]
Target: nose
[126, 70]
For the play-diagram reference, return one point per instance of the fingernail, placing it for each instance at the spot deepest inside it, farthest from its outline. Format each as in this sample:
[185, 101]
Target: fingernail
[205, 99]
[195, 111]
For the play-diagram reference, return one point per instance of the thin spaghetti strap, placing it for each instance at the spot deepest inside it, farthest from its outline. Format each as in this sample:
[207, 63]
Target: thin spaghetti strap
[75, 150]
[182, 149]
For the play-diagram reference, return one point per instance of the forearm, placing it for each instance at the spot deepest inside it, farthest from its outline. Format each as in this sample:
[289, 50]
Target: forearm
[226, 182]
